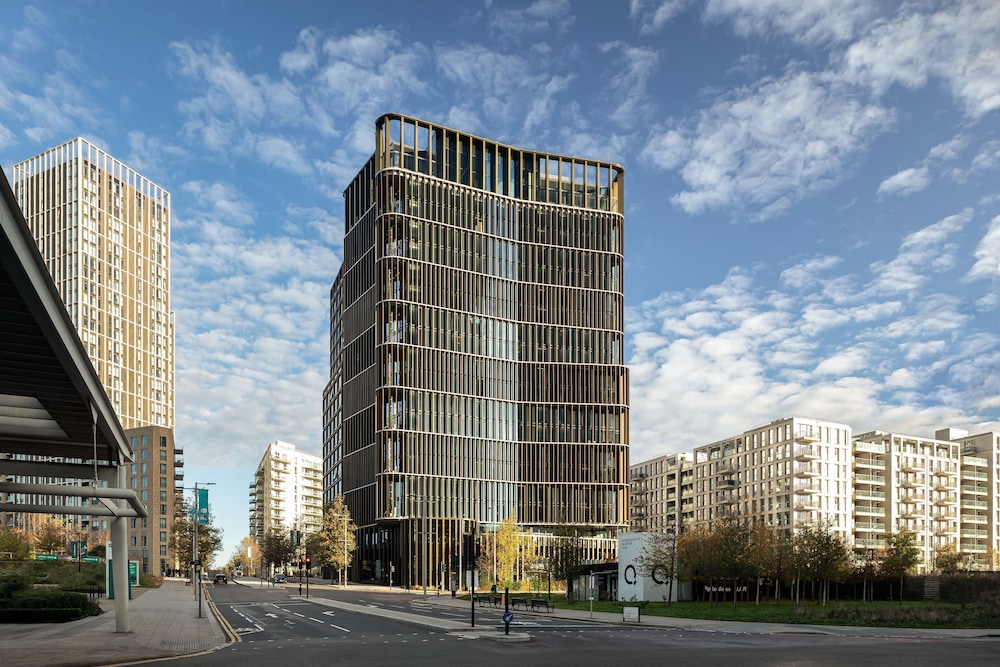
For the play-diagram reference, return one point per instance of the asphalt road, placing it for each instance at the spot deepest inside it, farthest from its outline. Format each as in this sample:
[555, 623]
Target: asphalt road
[280, 630]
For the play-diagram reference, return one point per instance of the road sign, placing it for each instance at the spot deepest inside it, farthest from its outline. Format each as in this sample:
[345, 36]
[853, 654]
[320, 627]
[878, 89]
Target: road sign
[91, 559]
[46, 557]
[508, 617]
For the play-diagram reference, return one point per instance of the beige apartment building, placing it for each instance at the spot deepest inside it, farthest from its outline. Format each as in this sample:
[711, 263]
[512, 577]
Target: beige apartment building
[799, 471]
[104, 232]
[286, 493]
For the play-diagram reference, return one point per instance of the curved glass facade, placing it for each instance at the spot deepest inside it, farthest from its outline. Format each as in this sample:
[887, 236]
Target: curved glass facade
[480, 371]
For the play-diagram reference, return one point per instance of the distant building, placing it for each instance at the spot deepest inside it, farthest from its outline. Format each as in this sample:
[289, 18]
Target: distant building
[477, 351]
[104, 232]
[798, 471]
[286, 492]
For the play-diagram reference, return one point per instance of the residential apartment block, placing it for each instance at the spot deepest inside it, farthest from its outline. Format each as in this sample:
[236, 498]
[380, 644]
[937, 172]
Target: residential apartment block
[799, 471]
[104, 232]
[287, 492]
[477, 345]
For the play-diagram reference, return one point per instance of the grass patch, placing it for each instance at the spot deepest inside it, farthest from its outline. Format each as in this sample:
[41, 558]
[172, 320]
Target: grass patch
[984, 614]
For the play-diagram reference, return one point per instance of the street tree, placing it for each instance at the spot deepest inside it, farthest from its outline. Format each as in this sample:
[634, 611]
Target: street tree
[514, 552]
[182, 531]
[13, 542]
[731, 536]
[334, 544]
[49, 534]
[947, 560]
[246, 556]
[659, 559]
[696, 559]
[277, 548]
[821, 555]
[566, 556]
[901, 555]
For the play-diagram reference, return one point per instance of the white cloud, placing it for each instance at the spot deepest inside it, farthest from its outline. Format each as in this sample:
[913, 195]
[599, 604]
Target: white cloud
[538, 18]
[630, 86]
[843, 363]
[921, 253]
[652, 15]
[304, 56]
[769, 145]
[959, 44]
[808, 273]
[906, 182]
[813, 22]
[987, 254]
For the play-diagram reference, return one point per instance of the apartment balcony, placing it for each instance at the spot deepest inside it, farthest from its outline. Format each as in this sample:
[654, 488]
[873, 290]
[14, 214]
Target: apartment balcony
[868, 494]
[968, 548]
[806, 436]
[975, 490]
[638, 502]
[869, 544]
[946, 471]
[975, 532]
[808, 522]
[942, 484]
[727, 498]
[974, 462]
[944, 529]
[807, 504]
[911, 467]
[868, 510]
[728, 483]
[807, 452]
[806, 488]
[969, 503]
[975, 518]
[179, 462]
[975, 475]
[869, 527]
[178, 476]
[808, 470]
[909, 483]
[944, 515]
[945, 499]
[727, 468]
[878, 464]
[911, 496]
[909, 511]
[869, 479]
[178, 451]
[638, 475]
[869, 447]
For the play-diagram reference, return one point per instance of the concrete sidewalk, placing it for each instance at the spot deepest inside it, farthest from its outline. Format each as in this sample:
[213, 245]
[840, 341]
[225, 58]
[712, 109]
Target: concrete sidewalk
[162, 622]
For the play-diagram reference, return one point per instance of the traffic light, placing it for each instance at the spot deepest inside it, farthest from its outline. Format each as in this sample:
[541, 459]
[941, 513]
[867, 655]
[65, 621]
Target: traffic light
[300, 562]
[309, 561]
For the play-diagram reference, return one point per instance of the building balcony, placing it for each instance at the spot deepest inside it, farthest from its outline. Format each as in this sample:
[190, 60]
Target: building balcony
[807, 452]
[639, 502]
[942, 484]
[728, 483]
[868, 510]
[975, 532]
[969, 503]
[869, 544]
[945, 499]
[178, 451]
[944, 515]
[806, 488]
[806, 436]
[727, 468]
[727, 498]
[179, 462]
[877, 480]
[944, 529]
[869, 494]
[178, 476]
[808, 470]
[909, 483]
[866, 462]
[967, 548]
[974, 462]
[975, 490]
[911, 467]
[869, 527]
[975, 518]
[909, 511]
[869, 447]
[807, 504]
[975, 475]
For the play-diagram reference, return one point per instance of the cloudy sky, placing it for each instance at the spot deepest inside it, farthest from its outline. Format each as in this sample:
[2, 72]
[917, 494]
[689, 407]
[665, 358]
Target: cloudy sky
[812, 192]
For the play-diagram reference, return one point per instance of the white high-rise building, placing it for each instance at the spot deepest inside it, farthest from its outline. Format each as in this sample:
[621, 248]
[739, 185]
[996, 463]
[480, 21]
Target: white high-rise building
[287, 492]
[103, 230]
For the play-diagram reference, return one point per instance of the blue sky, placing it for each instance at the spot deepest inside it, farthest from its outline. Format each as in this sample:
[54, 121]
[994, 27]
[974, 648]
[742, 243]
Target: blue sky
[812, 192]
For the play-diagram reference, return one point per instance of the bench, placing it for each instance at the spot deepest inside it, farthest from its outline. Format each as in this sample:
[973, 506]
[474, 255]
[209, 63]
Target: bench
[541, 605]
[519, 603]
[491, 600]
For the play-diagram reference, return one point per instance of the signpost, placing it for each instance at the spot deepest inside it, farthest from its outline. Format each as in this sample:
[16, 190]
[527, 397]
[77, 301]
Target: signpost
[46, 557]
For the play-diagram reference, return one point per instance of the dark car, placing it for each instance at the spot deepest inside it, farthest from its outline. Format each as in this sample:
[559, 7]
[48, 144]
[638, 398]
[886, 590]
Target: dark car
[221, 579]
[279, 578]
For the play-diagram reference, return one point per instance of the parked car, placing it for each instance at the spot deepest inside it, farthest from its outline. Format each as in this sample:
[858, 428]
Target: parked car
[279, 578]
[221, 579]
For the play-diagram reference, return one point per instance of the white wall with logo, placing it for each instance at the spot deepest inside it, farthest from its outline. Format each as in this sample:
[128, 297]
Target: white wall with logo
[633, 585]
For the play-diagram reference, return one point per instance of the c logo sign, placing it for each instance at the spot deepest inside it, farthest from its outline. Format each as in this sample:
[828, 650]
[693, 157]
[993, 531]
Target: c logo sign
[630, 575]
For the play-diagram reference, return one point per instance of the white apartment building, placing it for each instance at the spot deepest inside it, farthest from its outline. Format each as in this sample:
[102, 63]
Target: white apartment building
[287, 492]
[800, 471]
[103, 230]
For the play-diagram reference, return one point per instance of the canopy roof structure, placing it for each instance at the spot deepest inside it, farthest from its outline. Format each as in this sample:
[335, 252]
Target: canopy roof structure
[56, 420]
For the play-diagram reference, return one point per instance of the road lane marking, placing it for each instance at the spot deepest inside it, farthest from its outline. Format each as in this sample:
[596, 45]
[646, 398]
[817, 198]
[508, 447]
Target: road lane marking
[316, 619]
[339, 628]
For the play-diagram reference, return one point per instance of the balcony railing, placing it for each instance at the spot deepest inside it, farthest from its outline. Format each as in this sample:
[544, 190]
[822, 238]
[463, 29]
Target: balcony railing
[868, 510]
[869, 544]
[869, 479]
[869, 463]
[870, 447]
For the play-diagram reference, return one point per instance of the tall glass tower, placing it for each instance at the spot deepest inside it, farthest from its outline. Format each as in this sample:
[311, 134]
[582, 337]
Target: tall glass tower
[476, 352]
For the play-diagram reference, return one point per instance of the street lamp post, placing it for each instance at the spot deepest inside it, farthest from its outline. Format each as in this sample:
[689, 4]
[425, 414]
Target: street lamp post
[195, 566]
